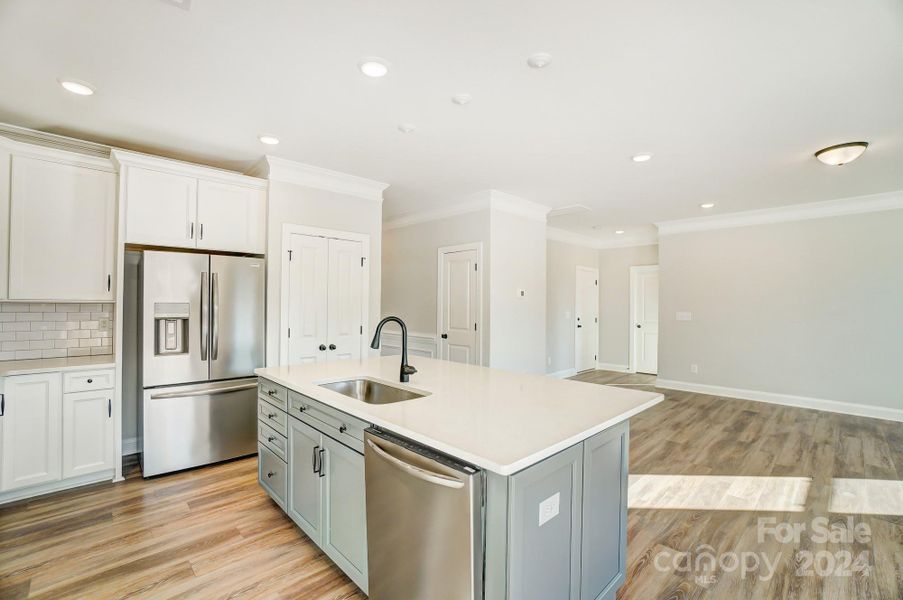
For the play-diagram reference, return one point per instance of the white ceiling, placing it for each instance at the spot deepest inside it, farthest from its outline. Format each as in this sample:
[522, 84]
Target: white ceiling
[731, 98]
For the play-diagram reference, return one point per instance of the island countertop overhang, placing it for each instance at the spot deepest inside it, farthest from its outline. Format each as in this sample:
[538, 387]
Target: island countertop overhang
[496, 420]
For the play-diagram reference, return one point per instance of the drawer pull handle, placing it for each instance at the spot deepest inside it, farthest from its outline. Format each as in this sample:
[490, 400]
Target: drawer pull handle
[270, 474]
[272, 392]
[343, 429]
[90, 380]
[271, 439]
[302, 408]
[271, 415]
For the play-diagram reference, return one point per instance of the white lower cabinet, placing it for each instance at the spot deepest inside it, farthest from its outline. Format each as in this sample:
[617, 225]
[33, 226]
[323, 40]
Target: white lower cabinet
[51, 440]
[326, 497]
[31, 425]
[87, 432]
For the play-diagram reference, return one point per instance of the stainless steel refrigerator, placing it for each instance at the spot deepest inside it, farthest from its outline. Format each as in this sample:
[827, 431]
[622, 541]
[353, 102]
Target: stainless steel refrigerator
[201, 335]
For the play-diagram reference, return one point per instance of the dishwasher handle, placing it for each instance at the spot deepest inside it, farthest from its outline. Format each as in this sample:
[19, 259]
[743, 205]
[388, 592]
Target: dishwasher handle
[417, 472]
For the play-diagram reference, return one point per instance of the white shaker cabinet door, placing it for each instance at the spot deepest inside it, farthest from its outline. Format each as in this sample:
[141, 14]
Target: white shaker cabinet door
[231, 217]
[30, 425]
[161, 208]
[62, 231]
[87, 432]
[5, 159]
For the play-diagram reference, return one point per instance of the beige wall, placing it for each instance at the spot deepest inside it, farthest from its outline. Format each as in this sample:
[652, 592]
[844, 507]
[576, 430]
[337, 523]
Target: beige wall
[614, 300]
[562, 260]
[410, 264]
[810, 308]
[518, 262]
[300, 205]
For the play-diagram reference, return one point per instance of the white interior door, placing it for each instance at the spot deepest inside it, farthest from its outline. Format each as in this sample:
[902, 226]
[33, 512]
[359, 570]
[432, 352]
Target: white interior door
[344, 306]
[459, 305]
[644, 293]
[307, 299]
[586, 319]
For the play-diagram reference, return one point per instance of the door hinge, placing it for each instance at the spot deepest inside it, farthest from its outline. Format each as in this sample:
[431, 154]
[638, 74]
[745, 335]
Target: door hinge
[597, 282]
[362, 261]
[597, 319]
[474, 326]
[362, 330]
[289, 332]
[595, 357]
[290, 256]
[474, 266]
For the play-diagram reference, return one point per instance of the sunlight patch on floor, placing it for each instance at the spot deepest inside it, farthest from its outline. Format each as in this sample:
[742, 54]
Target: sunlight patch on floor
[866, 497]
[718, 492]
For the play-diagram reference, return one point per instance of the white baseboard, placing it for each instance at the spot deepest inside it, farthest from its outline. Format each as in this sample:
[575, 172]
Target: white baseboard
[563, 374]
[613, 367]
[129, 446]
[847, 408]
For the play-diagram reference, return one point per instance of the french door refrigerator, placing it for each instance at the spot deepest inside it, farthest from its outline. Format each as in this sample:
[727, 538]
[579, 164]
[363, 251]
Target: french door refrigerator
[201, 335]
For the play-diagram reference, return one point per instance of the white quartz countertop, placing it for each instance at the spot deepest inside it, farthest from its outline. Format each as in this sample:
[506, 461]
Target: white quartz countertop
[497, 420]
[44, 365]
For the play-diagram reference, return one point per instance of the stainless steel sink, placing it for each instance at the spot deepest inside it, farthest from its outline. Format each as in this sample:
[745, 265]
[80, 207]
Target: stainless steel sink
[371, 392]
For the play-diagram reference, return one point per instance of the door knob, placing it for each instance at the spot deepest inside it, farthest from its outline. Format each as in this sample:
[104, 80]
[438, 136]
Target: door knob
[638, 326]
[444, 336]
[579, 326]
[322, 347]
[332, 346]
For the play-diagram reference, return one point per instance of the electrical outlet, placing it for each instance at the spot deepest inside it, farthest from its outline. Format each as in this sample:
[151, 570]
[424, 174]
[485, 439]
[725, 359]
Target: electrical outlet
[548, 508]
[694, 368]
[522, 293]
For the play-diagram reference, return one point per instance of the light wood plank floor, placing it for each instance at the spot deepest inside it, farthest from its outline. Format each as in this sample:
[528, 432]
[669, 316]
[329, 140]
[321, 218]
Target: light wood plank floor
[212, 533]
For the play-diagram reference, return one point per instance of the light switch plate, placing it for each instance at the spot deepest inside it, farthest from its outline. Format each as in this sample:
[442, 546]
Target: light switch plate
[548, 508]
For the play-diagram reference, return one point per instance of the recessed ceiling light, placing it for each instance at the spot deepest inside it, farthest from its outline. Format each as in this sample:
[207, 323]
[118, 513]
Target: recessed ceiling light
[373, 67]
[462, 99]
[841, 154]
[641, 157]
[406, 128]
[272, 140]
[707, 205]
[75, 86]
[619, 231]
[539, 60]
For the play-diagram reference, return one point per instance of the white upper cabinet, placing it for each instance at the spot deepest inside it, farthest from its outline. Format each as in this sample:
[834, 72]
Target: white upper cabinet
[231, 217]
[176, 204]
[62, 230]
[161, 208]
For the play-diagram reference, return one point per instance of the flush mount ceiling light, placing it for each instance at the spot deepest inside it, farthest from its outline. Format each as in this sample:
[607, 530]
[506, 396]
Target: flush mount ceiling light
[841, 154]
[373, 67]
[81, 88]
[539, 60]
[641, 157]
[619, 231]
[272, 140]
[406, 128]
[462, 99]
[707, 205]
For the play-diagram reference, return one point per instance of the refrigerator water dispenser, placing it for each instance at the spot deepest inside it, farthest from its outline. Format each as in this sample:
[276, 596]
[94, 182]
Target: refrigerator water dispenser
[171, 320]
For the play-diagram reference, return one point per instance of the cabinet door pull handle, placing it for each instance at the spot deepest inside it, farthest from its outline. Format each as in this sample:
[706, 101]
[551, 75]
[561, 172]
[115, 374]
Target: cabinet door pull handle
[2, 404]
[109, 282]
[201, 232]
[314, 459]
[110, 408]
[321, 471]
[191, 231]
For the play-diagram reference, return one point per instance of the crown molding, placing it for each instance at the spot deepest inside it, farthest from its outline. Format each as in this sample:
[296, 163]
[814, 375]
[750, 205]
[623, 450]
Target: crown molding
[53, 141]
[124, 158]
[485, 200]
[578, 239]
[280, 169]
[784, 214]
[55, 154]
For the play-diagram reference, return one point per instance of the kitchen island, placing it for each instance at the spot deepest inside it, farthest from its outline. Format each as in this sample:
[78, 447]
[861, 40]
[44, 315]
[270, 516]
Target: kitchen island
[549, 458]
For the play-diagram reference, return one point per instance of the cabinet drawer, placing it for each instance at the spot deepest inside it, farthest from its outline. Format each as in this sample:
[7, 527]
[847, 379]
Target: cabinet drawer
[272, 439]
[342, 427]
[86, 381]
[275, 394]
[271, 474]
[271, 415]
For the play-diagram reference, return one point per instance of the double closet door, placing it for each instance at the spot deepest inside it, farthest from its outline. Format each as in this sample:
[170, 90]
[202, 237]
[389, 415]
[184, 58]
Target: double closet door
[325, 299]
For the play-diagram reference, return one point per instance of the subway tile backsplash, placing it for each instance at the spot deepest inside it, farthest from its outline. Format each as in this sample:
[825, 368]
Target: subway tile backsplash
[40, 330]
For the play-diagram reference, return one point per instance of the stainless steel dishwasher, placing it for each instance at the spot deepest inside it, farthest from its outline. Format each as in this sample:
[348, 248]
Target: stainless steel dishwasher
[424, 522]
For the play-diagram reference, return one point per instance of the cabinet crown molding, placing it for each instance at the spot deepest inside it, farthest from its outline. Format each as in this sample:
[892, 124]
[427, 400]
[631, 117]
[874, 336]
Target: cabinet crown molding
[67, 156]
[280, 169]
[123, 158]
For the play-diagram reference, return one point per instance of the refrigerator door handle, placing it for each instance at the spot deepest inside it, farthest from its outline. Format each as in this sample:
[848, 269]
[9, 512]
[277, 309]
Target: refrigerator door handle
[214, 316]
[204, 315]
[205, 392]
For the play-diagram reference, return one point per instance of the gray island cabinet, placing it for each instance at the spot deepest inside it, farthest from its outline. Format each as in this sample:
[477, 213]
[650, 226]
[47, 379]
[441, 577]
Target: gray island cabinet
[555, 529]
